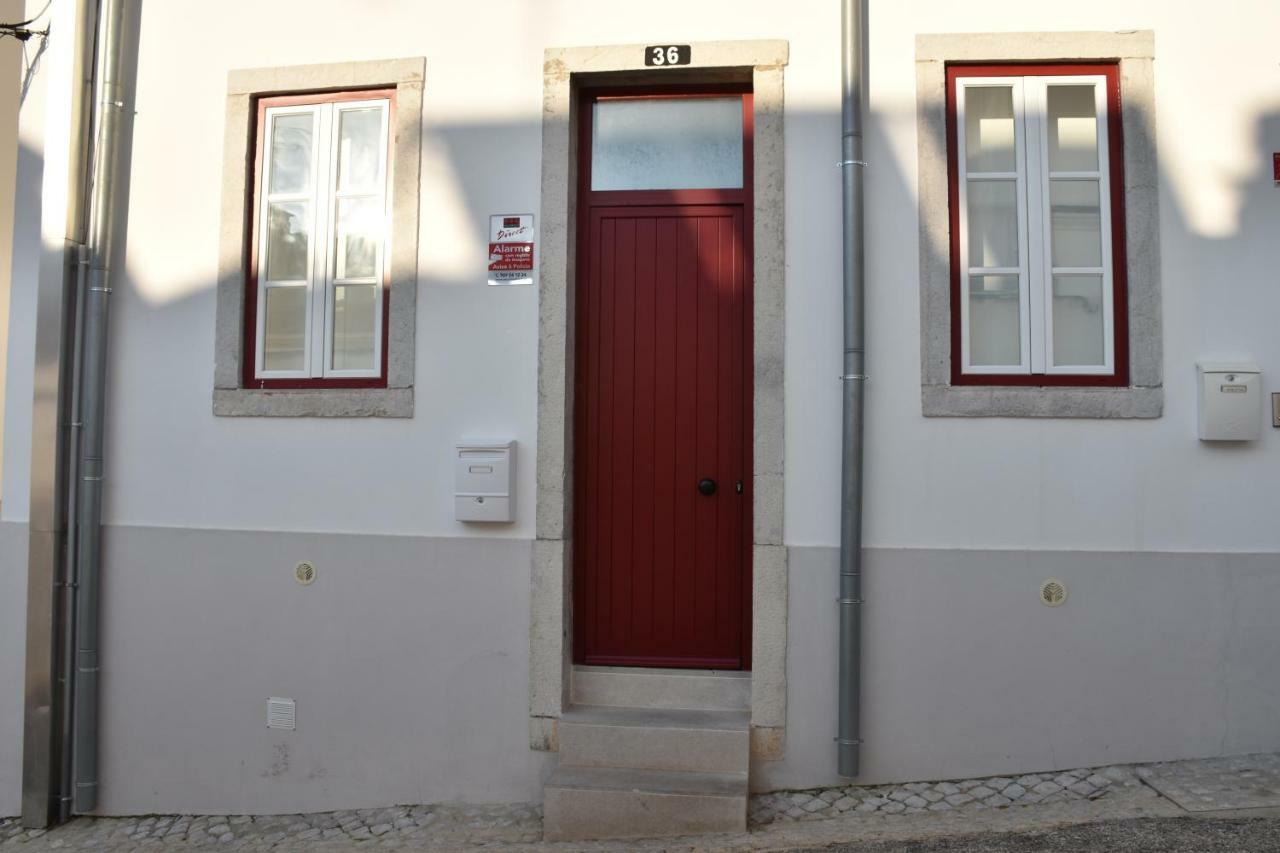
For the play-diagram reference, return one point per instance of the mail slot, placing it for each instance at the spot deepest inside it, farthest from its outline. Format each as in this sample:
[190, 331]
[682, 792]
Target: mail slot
[484, 481]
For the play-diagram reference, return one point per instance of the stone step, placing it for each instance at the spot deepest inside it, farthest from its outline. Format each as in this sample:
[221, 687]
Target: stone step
[655, 739]
[581, 803]
[691, 689]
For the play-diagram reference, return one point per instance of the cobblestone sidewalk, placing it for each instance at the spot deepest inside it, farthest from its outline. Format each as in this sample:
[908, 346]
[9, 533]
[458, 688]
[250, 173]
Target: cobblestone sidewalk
[971, 794]
[416, 827]
[785, 820]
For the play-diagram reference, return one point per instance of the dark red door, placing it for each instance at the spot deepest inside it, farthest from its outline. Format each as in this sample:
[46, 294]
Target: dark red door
[661, 451]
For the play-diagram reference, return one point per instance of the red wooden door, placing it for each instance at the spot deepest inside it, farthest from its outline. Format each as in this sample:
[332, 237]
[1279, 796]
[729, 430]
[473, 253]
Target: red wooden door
[661, 571]
[662, 421]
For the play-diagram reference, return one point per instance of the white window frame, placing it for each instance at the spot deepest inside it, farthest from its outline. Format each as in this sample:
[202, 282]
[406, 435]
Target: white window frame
[322, 195]
[1019, 178]
[1035, 268]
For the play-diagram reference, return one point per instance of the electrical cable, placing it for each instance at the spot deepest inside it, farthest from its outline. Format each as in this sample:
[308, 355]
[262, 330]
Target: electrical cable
[23, 35]
[20, 30]
[29, 21]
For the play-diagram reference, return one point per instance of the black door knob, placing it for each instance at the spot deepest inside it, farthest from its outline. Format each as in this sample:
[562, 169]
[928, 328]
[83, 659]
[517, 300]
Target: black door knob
[707, 486]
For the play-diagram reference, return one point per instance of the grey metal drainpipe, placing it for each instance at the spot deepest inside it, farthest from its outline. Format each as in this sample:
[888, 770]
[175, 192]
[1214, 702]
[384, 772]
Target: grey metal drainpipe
[87, 21]
[853, 53]
[110, 112]
[50, 665]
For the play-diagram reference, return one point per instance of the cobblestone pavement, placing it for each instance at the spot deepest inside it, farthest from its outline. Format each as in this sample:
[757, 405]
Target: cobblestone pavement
[793, 820]
[1218, 784]
[413, 827]
[971, 794]
[1146, 835]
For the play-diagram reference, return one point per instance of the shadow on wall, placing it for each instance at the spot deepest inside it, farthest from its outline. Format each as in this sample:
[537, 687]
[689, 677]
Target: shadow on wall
[33, 332]
[163, 355]
[12, 83]
[17, 443]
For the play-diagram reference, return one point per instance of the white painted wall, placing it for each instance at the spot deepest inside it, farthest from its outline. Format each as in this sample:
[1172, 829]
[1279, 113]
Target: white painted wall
[945, 484]
[937, 483]
[10, 72]
[30, 193]
[21, 137]
[1072, 484]
[13, 609]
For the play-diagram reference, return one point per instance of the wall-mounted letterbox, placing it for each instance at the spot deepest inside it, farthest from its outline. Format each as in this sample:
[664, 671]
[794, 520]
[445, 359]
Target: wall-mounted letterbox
[1230, 401]
[484, 481]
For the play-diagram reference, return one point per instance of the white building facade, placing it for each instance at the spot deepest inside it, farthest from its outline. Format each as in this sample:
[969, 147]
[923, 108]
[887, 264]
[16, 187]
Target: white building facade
[1048, 259]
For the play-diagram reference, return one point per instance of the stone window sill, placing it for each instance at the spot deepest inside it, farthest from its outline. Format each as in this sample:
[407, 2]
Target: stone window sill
[320, 403]
[948, 401]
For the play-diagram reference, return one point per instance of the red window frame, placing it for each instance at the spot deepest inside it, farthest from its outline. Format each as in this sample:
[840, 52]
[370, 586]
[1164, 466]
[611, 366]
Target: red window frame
[249, 355]
[1115, 146]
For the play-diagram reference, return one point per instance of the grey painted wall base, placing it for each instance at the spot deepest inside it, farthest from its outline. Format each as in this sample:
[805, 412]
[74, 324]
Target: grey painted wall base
[13, 619]
[408, 659]
[966, 673]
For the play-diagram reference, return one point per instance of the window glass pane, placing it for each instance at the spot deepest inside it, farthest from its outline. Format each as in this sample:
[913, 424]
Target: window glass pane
[988, 131]
[1078, 328]
[291, 153]
[284, 343]
[359, 148]
[995, 320]
[1073, 129]
[354, 307]
[993, 224]
[287, 241]
[666, 143]
[1076, 223]
[358, 235]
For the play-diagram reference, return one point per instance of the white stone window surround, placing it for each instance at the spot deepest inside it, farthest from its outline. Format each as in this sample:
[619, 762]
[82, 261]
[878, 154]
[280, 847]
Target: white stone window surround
[1134, 52]
[244, 87]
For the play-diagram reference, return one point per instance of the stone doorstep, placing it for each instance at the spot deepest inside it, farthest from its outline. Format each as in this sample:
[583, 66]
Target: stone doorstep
[637, 772]
[655, 739]
[705, 690]
[608, 802]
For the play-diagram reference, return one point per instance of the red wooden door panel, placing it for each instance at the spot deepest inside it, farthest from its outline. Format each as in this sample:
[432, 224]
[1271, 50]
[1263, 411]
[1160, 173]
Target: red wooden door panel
[662, 402]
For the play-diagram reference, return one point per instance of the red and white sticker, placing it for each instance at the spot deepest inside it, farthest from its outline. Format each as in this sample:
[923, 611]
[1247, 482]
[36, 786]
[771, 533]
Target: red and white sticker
[511, 249]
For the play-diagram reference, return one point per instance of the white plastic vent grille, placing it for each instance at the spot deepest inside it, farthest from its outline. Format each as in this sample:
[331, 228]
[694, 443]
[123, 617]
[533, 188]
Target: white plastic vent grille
[281, 713]
[1053, 592]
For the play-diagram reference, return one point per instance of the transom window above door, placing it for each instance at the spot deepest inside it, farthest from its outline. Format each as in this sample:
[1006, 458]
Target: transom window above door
[677, 145]
[318, 300]
[1037, 215]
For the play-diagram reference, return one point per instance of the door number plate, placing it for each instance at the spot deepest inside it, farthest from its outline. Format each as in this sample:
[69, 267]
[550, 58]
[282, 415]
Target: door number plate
[667, 54]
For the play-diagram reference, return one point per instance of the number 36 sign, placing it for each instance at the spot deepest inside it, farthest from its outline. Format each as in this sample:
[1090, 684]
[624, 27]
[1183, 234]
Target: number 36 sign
[667, 54]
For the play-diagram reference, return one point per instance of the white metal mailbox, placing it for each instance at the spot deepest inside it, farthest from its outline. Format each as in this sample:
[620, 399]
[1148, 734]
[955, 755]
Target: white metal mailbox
[1230, 401]
[484, 481]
